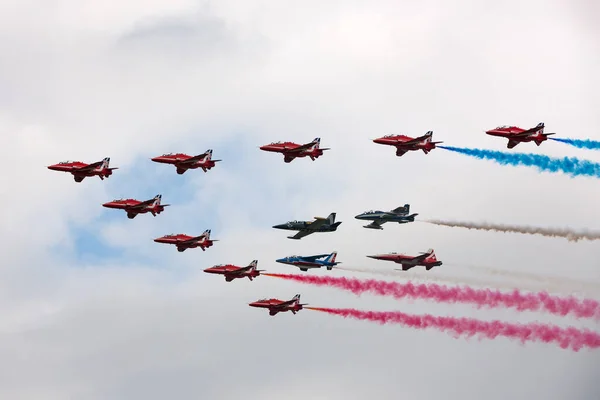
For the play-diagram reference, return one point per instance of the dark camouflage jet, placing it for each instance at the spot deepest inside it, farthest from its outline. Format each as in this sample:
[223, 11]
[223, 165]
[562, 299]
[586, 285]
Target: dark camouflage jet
[306, 228]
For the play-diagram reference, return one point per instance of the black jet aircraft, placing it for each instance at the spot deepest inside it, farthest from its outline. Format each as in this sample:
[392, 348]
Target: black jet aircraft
[399, 215]
[306, 228]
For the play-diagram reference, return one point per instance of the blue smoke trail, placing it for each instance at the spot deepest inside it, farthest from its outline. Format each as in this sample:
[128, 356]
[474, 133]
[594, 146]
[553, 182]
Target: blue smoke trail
[582, 144]
[571, 166]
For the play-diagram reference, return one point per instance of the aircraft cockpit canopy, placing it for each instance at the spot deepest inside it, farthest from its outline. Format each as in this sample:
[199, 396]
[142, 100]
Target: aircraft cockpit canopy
[67, 162]
[502, 127]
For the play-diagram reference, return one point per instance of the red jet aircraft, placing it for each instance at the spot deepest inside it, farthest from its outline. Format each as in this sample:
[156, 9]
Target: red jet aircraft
[184, 242]
[427, 260]
[405, 143]
[134, 207]
[81, 170]
[516, 135]
[232, 272]
[183, 162]
[275, 305]
[292, 150]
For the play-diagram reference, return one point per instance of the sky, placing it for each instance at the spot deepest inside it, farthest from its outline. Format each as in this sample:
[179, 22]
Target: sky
[93, 309]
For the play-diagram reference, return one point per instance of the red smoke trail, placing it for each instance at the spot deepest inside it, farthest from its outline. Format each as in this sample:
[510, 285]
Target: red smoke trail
[566, 338]
[540, 301]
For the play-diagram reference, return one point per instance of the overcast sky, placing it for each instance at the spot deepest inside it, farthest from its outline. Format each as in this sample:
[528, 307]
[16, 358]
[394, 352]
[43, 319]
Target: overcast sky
[93, 309]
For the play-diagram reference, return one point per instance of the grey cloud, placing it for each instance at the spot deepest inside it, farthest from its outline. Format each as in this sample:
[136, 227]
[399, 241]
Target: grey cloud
[153, 325]
[199, 35]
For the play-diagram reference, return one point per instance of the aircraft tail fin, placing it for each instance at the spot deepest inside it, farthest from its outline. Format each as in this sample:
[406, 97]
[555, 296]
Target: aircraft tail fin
[157, 200]
[331, 218]
[208, 155]
[105, 164]
[253, 264]
[206, 234]
[316, 143]
[411, 217]
[431, 253]
[331, 258]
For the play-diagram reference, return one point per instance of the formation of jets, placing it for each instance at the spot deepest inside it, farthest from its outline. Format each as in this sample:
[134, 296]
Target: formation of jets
[290, 151]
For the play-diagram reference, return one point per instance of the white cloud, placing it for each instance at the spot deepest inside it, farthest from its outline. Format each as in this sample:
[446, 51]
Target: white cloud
[132, 81]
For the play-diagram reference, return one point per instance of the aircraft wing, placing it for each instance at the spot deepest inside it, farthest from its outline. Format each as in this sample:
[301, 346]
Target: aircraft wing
[400, 151]
[420, 257]
[524, 133]
[90, 167]
[400, 211]
[318, 222]
[143, 204]
[300, 235]
[512, 143]
[238, 271]
[376, 224]
[284, 304]
[191, 240]
[313, 258]
[300, 148]
[194, 159]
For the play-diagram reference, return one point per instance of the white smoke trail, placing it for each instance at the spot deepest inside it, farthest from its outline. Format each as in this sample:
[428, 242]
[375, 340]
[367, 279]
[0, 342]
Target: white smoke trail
[569, 234]
[547, 280]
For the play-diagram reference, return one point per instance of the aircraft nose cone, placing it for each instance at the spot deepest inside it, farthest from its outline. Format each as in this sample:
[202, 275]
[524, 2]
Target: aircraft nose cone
[373, 257]
[280, 226]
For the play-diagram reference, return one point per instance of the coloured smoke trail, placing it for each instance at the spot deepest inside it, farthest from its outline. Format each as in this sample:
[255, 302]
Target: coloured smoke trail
[569, 234]
[541, 301]
[562, 287]
[566, 338]
[581, 144]
[571, 166]
[440, 278]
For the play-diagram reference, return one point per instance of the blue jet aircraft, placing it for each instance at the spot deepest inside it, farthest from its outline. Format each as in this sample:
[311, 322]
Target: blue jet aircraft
[304, 263]
[399, 215]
